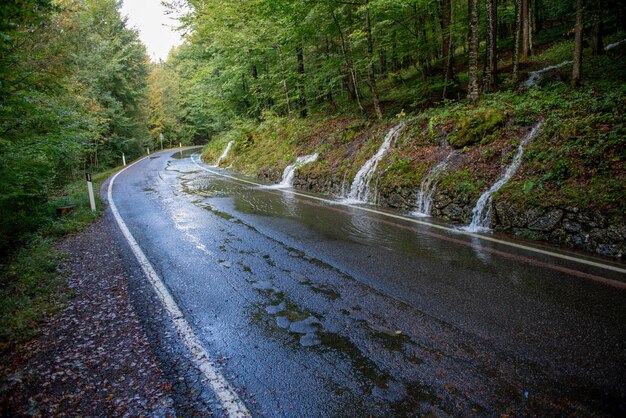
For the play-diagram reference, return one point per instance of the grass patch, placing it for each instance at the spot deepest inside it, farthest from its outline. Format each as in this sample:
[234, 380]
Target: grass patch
[30, 285]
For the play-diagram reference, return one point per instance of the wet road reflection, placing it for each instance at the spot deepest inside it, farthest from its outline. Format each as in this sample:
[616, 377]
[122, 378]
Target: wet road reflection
[409, 309]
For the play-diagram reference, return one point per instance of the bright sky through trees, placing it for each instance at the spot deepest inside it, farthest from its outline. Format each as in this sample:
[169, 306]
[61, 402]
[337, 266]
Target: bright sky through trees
[155, 26]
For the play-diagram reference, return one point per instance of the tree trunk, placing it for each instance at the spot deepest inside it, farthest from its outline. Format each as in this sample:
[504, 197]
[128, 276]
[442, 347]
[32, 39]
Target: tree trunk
[526, 49]
[447, 47]
[538, 17]
[492, 53]
[516, 41]
[446, 9]
[472, 88]
[578, 45]
[300, 57]
[351, 76]
[284, 81]
[597, 46]
[329, 92]
[370, 64]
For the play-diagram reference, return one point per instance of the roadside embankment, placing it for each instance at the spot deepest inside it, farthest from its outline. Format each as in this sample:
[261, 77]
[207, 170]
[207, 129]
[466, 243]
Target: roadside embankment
[568, 188]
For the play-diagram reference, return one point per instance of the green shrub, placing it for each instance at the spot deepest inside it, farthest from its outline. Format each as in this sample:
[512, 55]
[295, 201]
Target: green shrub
[474, 128]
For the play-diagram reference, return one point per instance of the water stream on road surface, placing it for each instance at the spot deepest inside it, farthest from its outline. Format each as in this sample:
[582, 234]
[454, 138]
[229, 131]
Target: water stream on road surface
[428, 187]
[481, 219]
[224, 154]
[360, 189]
[290, 171]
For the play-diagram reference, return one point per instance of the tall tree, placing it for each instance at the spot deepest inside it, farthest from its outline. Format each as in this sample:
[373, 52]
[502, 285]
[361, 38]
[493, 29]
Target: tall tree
[578, 45]
[301, 81]
[516, 40]
[447, 42]
[370, 63]
[492, 54]
[596, 30]
[526, 29]
[472, 88]
[353, 86]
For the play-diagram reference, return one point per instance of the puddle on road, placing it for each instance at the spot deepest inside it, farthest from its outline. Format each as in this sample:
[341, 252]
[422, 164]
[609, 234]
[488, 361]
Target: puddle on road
[322, 289]
[185, 153]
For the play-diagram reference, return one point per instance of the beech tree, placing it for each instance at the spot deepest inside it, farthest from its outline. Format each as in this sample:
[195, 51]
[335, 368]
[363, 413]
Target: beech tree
[578, 45]
[491, 66]
[472, 88]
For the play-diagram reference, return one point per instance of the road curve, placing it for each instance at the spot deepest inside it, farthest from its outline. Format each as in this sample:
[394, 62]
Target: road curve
[304, 307]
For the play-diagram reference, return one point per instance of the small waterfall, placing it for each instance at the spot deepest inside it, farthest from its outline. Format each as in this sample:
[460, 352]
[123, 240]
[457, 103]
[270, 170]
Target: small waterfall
[224, 154]
[614, 44]
[481, 214]
[428, 187]
[360, 189]
[534, 77]
[290, 171]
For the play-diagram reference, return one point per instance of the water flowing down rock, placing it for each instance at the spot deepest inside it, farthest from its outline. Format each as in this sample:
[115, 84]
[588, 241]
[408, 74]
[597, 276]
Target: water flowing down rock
[290, 170]
[534, 77]
[224, 154]
[481, 214]
[428, 187]
[360, 189]
[614, 45]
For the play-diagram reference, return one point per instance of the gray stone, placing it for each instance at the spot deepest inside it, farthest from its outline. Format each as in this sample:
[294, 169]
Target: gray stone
[579, 241]
[508, 216]
[571, 226]
[547, 221]
[454, 212]
[441, 200]
[617, 233]
[558, 235]
[592, 219]
[609, 250]
[532, 214]
[395, 200]
[599, 235]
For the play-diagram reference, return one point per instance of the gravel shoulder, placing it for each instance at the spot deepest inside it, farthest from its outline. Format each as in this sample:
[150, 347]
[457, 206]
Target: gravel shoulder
[92, 357]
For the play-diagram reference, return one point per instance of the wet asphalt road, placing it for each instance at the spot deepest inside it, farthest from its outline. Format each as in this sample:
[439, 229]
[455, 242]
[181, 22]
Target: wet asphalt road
[318, 309]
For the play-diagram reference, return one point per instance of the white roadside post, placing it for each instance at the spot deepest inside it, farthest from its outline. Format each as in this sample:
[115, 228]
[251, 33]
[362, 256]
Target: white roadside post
[123, 159]
[180, 145]
[148, 150]
[92, 200]
[161, 138]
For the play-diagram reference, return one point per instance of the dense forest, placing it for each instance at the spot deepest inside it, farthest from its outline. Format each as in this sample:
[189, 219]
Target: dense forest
[73, 91]
[77, 88]
[245, 60]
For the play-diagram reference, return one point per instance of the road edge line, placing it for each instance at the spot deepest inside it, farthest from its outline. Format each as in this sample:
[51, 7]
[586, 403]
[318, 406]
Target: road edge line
[232, 405]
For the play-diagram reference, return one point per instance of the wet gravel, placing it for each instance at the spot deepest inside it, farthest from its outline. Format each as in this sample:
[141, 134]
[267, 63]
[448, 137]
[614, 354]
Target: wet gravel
[92, 357]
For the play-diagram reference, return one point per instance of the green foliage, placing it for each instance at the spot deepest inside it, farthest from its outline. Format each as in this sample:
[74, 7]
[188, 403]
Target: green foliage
[72, 91]
[30, 285]
[476, 127]
[28, 292]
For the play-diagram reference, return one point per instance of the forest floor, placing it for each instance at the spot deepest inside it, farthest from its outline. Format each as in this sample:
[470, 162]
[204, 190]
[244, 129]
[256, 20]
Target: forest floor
[92, 357]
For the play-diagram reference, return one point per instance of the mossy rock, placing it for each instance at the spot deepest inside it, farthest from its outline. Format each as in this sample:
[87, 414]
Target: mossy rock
[472, 129]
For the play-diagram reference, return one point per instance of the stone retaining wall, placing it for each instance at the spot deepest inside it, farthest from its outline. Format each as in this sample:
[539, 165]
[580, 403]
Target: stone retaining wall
[589, 231]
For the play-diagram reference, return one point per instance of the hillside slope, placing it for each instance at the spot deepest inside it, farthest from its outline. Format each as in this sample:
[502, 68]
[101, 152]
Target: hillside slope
[569, 188]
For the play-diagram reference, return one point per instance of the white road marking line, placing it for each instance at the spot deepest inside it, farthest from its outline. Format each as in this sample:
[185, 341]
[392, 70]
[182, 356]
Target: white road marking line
[431, 225]
[230, 402]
